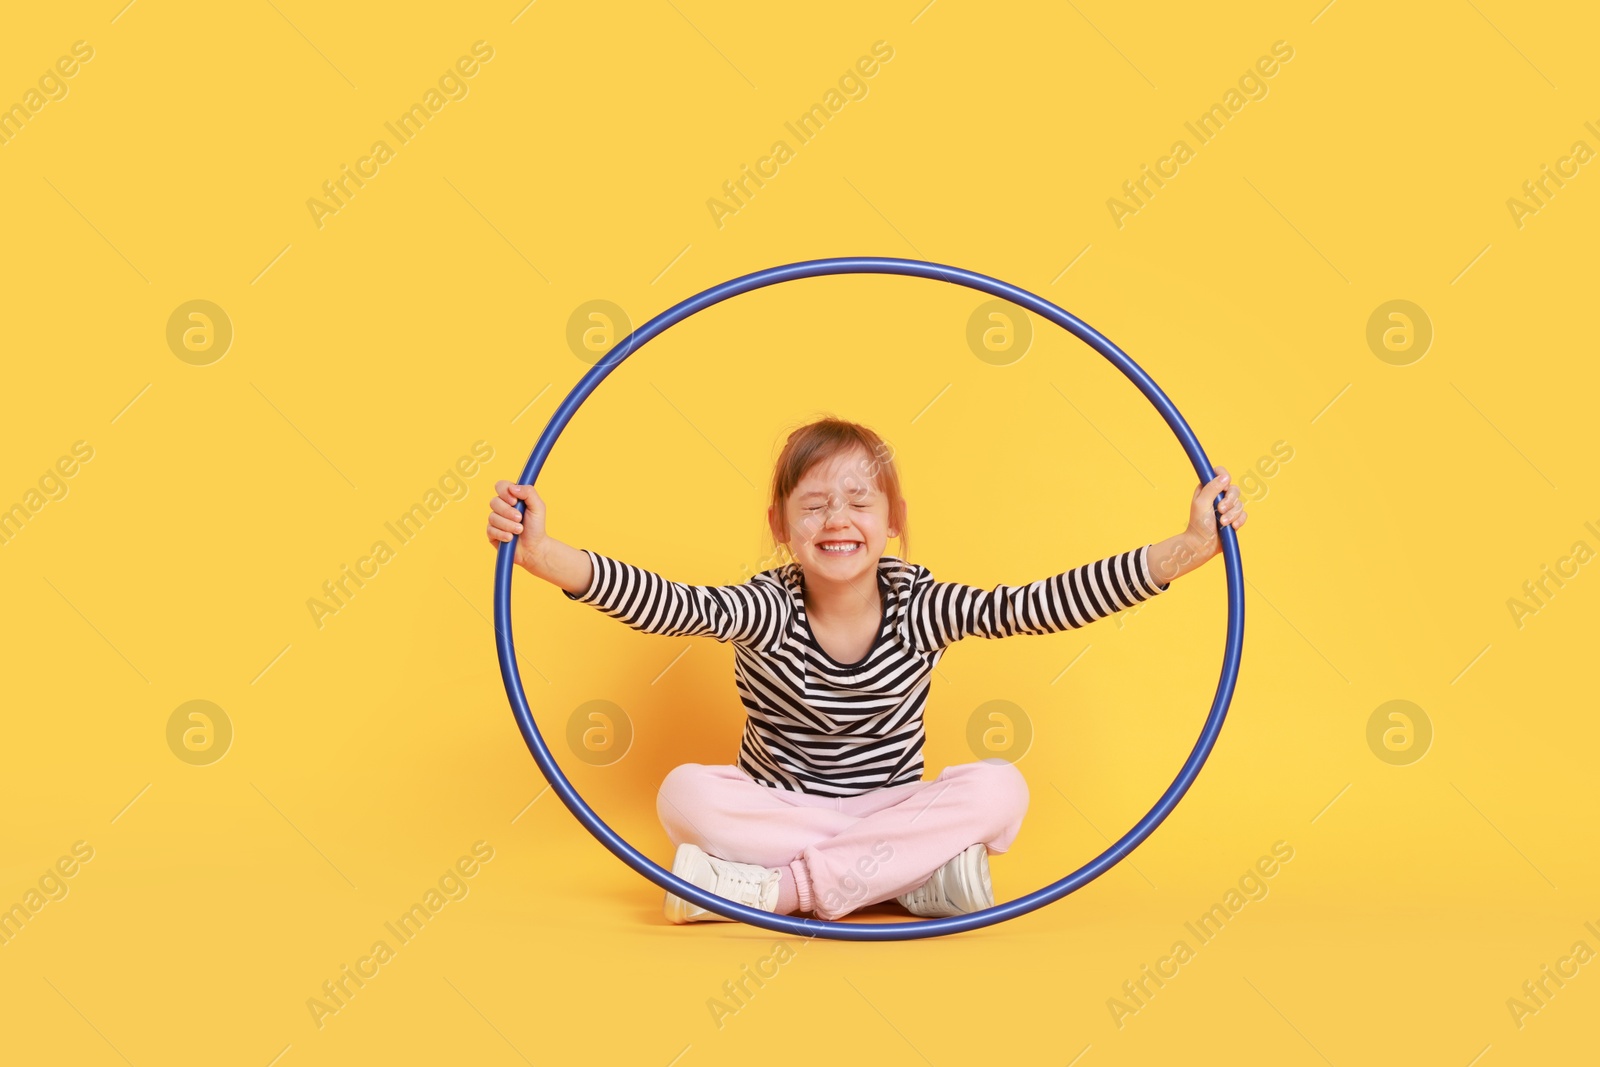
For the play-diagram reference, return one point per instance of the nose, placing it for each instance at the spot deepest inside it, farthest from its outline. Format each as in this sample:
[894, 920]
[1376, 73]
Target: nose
[835, 515]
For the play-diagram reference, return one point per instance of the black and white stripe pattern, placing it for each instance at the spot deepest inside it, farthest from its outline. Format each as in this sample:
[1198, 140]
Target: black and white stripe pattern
[816, 725]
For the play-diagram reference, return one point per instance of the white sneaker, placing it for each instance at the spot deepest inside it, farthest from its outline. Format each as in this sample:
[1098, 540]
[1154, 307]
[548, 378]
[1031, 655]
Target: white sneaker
[960, 886]
[743, 883]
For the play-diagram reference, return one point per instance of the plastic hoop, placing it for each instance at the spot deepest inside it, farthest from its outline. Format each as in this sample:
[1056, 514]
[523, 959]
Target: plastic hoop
[848, 931]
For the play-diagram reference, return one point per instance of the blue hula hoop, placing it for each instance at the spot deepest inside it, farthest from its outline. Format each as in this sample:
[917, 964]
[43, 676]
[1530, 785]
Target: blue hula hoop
[846, 931]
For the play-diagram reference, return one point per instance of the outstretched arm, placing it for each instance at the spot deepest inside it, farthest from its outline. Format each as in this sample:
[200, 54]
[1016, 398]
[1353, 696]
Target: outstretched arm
[945, 612]
[562, 565]
[749, 612]
[536, 551]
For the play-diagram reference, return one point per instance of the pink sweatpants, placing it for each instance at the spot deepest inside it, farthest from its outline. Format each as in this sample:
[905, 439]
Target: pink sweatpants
[845, 852]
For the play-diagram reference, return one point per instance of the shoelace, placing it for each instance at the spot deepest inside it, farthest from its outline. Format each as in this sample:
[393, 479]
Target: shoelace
[739, 879]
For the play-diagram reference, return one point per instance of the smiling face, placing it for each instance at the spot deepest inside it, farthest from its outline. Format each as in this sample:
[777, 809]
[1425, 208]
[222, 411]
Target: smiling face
[836, 522]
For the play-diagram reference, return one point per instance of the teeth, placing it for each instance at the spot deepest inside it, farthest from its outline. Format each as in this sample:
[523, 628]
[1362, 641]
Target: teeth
[845, 550]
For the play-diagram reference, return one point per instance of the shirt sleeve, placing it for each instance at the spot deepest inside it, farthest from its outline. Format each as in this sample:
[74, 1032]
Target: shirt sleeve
[748, 613]
[945, 612]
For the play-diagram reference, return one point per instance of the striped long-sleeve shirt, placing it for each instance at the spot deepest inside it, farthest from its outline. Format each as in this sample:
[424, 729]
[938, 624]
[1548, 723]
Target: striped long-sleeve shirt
[815, 725]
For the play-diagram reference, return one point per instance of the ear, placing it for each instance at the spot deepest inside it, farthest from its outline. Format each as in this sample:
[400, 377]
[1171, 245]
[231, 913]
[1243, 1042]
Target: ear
[905, 513]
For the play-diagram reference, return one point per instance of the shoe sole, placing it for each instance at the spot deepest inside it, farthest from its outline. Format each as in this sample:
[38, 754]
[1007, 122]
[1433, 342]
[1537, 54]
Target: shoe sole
[981, 861]
[975, 873]
[974, 866]
[677, 909]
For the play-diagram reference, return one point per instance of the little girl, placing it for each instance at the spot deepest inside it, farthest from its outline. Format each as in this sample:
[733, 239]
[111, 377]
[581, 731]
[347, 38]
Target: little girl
[826, 810]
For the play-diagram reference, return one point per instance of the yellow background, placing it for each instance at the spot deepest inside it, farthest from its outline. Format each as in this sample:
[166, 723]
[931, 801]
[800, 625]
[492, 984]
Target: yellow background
[431, 312]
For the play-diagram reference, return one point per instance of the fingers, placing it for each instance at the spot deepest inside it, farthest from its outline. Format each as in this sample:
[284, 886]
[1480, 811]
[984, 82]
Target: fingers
[511, 492]
[1229, 509]
[496, 534]
[505, 521]
[500, 522]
